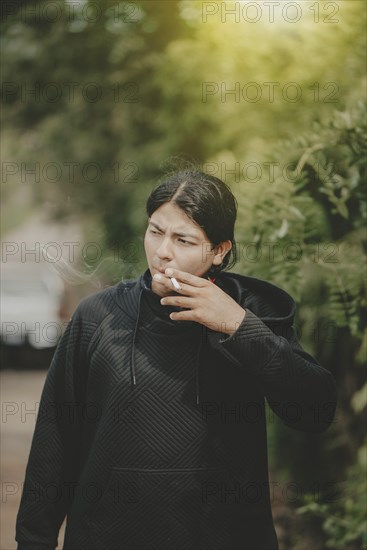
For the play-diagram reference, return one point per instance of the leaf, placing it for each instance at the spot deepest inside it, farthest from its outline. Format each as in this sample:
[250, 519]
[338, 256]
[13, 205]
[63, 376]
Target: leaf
[283, 229]
[359, 399]
[295, 211]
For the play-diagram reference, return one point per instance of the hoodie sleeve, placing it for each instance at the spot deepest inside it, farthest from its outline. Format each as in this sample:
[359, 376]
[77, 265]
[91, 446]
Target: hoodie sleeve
[53, 462]
[300, 391]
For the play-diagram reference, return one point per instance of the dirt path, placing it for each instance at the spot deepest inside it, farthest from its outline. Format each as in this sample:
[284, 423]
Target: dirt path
[20, 393]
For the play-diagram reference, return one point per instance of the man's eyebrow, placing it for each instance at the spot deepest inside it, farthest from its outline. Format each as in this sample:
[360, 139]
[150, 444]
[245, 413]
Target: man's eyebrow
[177, 234]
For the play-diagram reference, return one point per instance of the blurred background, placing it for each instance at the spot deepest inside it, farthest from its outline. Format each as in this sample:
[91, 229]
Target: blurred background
[99, 101]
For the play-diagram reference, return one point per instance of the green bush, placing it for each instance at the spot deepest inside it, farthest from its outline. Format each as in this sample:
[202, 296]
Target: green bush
[344, 520]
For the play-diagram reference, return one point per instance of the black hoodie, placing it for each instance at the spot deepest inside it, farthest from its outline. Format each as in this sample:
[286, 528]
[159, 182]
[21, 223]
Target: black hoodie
[151, 433]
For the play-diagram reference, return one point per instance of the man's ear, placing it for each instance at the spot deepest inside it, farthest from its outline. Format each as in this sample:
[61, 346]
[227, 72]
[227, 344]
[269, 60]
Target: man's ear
[220, 251]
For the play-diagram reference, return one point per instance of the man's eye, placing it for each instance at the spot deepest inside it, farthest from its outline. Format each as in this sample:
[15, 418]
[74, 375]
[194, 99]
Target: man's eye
[180, 240]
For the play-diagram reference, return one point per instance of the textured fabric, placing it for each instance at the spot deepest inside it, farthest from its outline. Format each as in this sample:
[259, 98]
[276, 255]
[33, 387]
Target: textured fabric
[151, 433]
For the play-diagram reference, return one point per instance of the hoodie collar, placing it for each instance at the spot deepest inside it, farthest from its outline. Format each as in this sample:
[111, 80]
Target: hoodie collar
[159, 311]
[143, 306]
[270, 303]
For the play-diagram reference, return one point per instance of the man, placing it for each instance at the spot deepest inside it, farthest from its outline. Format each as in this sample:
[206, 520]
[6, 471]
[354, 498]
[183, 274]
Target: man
[152, 420]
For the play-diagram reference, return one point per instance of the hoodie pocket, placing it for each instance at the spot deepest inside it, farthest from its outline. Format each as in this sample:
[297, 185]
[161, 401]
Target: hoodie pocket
[165, 509]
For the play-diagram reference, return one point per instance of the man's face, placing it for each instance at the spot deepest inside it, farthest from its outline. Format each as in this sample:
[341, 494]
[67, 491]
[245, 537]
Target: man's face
[172, 239]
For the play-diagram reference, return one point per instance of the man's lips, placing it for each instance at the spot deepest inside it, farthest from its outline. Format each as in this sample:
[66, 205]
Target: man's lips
[161, 269]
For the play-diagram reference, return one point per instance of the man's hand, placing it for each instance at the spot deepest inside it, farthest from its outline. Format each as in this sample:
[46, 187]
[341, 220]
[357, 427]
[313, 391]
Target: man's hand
[206, 303]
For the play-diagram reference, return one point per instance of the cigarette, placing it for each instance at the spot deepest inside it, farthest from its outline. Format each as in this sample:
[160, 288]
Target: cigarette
[175, 283]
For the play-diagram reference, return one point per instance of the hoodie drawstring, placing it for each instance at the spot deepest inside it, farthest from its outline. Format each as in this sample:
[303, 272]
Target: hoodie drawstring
[135, 339]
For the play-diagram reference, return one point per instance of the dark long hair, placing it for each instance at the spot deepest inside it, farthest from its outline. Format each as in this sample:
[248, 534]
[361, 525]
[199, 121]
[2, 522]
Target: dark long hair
[206, 200]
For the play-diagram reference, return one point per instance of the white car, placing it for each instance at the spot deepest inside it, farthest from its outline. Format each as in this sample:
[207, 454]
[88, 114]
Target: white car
[31, 296]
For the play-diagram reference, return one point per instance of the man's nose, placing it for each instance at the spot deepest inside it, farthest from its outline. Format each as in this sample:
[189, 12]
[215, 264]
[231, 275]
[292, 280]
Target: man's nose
[164, 250]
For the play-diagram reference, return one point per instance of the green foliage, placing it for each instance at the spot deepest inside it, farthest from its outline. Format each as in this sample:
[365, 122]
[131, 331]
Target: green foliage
[318, 208]
[344, 518]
